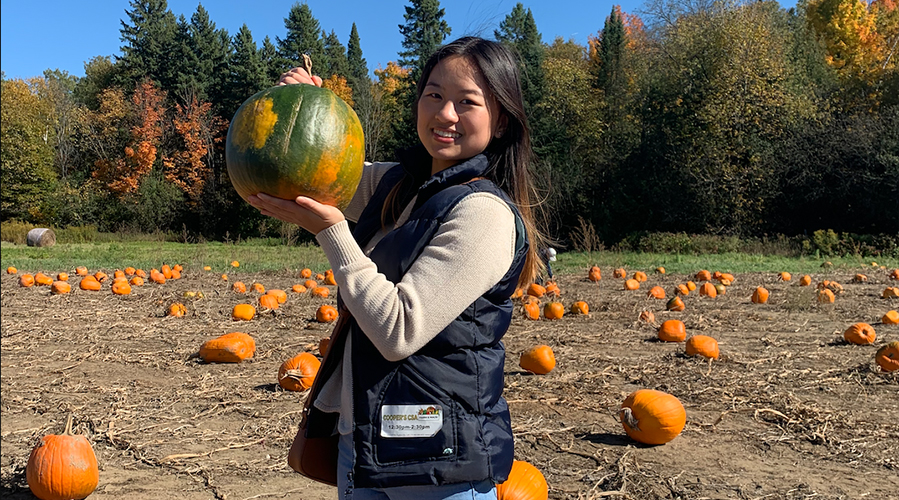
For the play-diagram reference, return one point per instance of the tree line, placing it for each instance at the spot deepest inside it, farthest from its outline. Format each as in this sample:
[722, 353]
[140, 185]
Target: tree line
[713, 117]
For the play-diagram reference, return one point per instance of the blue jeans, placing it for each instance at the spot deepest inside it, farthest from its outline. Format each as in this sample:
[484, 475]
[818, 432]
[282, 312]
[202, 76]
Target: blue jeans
[484, 490]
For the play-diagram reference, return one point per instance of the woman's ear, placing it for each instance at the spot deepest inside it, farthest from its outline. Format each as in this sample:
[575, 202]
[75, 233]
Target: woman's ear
[501, 126]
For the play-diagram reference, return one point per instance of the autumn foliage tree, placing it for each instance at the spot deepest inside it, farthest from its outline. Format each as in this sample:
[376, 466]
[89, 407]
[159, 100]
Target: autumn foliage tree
[198, 132]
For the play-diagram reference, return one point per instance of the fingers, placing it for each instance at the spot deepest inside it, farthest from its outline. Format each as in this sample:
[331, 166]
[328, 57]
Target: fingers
[299, 76]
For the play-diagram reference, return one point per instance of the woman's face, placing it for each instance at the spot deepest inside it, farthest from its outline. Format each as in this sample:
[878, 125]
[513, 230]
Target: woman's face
[457, 114]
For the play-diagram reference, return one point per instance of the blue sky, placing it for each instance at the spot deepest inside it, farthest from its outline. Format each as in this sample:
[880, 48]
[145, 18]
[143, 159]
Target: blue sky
[53, 34]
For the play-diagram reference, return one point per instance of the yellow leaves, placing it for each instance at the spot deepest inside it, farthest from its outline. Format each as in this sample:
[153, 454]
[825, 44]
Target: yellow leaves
[848, 28]
[338, 85]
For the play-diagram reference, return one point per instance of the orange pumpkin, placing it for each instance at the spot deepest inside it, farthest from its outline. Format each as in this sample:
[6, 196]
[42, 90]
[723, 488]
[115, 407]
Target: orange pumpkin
[660, 270]
[784, 276]
[672, 330]
[239, 287]
[281, 295]
[691, 286]
[805, 280]
[267, 301]
[177, 310]
[888, 357]
[619, 273]
[656, 292]
[329, 278]
[157, 277]
[118, 273]
[553, 289]
[683, 289]
[258, 288]
[298, 288]
[231, 347]
[62, 466]
[860, 334]
[703, 276]
[129, 271]
[652, 417]
[631, 284]
[298, 373]
[579, 307]
[518, 293]
[708, 290]
[166, 271]
[81, 271]
[888, 293]
[320, 292]
[26, 280]
[244, 312]
[648, 317]
[640, 276]
[553, 310]
[760, 295]
[176, 274]
[825, 296]
[525, 482]
[306, 273]
[234, 263]
[42, 279]
[326, 313]
[594, 274]
[310, 284]
[58, 287]
[11, 270]
[532, 310]
[890, 318]
[536, 290]
[895, 274]
[702, 345]
[860, 278]
[675, 304]
[101, 276]
[62, 277]
[540, 360]
[140, 273]
[136, 281]
[121, 287]
[89, 283]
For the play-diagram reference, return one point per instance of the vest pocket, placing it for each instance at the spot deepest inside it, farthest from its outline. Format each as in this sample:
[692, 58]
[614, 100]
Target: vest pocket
[415, 421]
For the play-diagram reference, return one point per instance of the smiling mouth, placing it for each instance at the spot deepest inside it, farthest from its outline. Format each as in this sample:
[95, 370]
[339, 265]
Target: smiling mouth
[446, 134]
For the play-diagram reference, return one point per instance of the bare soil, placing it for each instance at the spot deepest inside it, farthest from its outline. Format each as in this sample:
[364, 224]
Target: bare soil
[790, 411]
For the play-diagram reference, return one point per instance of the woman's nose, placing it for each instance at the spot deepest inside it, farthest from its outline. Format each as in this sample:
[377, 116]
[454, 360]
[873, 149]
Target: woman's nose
[447, 112]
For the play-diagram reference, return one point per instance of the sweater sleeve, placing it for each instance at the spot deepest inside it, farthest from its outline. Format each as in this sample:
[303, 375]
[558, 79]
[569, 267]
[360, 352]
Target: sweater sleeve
[371, 176]
[471, 251]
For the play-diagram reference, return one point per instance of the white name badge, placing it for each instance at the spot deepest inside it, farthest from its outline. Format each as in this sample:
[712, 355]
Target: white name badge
[402, 421]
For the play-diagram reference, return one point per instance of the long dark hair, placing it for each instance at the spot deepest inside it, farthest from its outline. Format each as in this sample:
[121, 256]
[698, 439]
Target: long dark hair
[510, 156]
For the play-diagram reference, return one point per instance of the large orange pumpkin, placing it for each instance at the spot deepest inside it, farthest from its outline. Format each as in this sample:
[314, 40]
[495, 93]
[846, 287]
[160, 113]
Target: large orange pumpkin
[298, 372]
[525, 482]
[652, 417]
[702, 345]
[707, 289]
[540, 360]
[296, 140]
[231, 347]
[860, 334]
[62, 467]
[890, 318]
[760, 295]
[888, 357]
[672, 330]
[594, 274]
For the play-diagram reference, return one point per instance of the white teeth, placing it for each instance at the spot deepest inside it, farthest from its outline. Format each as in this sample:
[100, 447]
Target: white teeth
[443, 133]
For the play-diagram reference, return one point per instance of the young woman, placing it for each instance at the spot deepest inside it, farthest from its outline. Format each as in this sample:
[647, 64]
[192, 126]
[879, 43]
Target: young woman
[441, 241]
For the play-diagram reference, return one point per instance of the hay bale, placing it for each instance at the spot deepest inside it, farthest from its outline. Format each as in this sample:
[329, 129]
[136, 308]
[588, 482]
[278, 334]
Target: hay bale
[41, 237]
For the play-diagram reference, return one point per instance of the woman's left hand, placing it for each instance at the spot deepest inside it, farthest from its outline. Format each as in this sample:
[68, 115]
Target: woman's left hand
[303, 211]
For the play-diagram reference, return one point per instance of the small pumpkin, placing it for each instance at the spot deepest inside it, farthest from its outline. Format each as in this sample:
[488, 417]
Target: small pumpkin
[825, 296]
[329, 278]
[129, 271]
[553, 310]
[652, 417]
[101, 276]
[675, 304]
[140, 273]
[11, 270]
[136, 281]
[640, 276]
[310, 284]
[321, 292]
[267, 301]
[122, 287]
[784, 276]
[536, 290]
[518, 293]
[890, 318]
[631, 284]
[579, 307]
[683, 289]
[26, 280]
[708, 290]
[889, 292]
[532, 310]
[176, 274]
[62, 277]
[89, 283]
[720, 289]
[539, 360]
[619, 273]
[319, 276]
[525, 482]
[279, 294]
[326, 313]
[594, 274]
[672, 330]
[234, 263]
[648, 317]
[894, 275]
[244, 312]
[888, 357]
[59, 287]
[805, 280]
[118, 273]
[298, 288]
[81, 271]
[656, 292]
[258, 288]
[239, 287]
[702, 345]
[703, 276]
[157, 277]
[691, 286]
[62, 466]
[760, 295]
[207, 268]
[552, 289]
[231, 347]
[42, 279]
[860, 334]
[298, 373]
[860, 278]
[660, 270]
[306, 273]
[177, 310]
[296, 140]
[166, 271]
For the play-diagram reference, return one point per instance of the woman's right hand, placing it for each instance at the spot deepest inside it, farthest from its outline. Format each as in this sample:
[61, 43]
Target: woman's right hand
[299, 75]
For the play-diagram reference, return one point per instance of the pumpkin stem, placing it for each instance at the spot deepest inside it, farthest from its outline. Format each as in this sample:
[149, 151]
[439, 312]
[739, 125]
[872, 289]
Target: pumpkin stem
[627, 417]
[68, 431]
[307, 64]
[294, 375]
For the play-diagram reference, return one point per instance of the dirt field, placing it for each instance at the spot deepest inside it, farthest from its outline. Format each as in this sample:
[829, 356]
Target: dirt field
[790, 412]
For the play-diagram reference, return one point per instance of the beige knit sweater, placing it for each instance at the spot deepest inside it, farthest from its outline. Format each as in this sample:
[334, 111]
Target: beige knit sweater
[468, 255]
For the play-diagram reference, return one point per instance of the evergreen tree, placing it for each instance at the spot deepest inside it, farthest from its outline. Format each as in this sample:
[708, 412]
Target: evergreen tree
[303, 37]
[247, 72]
[519, 31]
[149, 42]
[210, 49]
[271, 62]
[423, 34]
[609, 50]
[336, 57]
[358, 68]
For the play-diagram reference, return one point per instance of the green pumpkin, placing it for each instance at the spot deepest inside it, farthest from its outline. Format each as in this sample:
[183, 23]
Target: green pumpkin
[296, 140]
